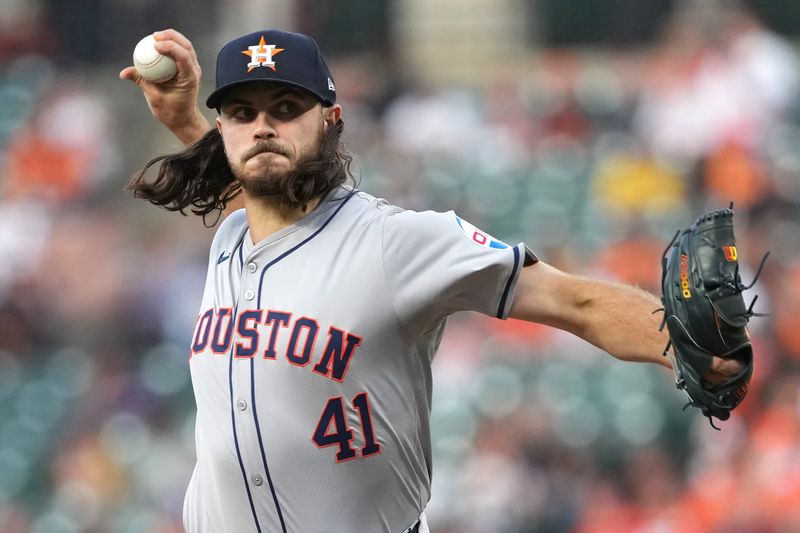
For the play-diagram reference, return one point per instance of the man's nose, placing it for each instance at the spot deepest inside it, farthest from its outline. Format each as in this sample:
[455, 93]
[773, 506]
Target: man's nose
[264, 128]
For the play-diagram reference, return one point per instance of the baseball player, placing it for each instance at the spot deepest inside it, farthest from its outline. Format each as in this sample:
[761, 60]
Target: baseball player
[324, 306]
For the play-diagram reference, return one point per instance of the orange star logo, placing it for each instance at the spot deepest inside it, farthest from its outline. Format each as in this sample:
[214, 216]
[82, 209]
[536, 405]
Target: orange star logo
[261, 55]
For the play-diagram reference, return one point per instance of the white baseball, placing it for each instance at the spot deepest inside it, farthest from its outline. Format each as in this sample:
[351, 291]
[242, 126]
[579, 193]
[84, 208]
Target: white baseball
[152, 65]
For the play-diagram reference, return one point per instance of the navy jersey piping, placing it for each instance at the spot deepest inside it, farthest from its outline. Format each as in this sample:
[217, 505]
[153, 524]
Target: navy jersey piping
[297, 246]
[241, 247]
[236, 438]
[261, 446]
[252, 373]
[507, 289]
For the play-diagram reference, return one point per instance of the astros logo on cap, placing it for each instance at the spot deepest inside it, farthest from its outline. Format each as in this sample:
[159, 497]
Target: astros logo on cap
[261, 55]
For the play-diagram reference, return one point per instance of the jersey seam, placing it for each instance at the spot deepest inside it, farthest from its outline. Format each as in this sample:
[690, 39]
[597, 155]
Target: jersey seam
[406, 331]
[390, 289]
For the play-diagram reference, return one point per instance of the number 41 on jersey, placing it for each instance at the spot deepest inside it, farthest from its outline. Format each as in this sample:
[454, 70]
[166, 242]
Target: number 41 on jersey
[332, 429]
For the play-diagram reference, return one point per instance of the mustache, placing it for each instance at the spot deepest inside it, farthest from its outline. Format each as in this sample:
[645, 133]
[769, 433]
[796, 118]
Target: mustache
[265, 146]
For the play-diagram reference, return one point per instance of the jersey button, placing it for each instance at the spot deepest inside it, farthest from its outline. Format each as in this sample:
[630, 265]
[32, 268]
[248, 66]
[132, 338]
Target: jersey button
[241, 404]
[251, 267]
[249, 294]
[257, 480]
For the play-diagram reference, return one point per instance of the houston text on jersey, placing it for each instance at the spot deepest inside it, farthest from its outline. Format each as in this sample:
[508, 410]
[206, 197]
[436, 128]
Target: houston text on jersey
[218, 331]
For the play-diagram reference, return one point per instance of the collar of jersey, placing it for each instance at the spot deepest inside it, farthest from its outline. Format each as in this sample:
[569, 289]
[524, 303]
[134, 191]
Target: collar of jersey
[309, 222]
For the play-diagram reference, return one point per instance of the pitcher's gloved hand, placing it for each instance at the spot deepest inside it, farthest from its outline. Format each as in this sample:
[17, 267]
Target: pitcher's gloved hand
[706, 316]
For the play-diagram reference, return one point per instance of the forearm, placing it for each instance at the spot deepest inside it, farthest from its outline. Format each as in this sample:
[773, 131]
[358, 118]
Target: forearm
[620, 320]
[614, 317]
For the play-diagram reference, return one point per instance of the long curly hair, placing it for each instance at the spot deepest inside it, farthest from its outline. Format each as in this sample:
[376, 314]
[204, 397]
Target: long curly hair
[199, 177]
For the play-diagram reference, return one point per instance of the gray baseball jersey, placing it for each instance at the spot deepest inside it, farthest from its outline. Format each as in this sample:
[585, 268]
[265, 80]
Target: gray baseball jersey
[311, 364]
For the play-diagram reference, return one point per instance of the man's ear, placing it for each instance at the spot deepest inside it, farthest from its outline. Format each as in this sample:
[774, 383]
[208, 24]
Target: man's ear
[332, 115]
[219, 124]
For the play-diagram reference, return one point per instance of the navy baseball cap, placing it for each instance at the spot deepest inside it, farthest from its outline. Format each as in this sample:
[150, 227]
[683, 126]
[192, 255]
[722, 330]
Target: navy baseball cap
[275, 56]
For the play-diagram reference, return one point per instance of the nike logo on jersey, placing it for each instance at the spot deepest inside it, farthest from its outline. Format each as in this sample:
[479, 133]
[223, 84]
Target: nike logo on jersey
[222, 257]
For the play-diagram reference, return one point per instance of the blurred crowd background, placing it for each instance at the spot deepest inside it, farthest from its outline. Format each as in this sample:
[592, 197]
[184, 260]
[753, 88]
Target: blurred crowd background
[589, 129]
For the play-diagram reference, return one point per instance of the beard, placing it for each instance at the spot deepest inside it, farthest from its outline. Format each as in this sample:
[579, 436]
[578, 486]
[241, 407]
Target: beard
[273, 180]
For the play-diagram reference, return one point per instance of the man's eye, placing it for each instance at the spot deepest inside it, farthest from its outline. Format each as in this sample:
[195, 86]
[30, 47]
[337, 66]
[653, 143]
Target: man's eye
[286, 107]
[242, 113]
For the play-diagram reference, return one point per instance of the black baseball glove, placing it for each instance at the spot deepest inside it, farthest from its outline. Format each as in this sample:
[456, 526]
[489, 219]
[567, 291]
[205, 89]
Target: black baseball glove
[705, 313]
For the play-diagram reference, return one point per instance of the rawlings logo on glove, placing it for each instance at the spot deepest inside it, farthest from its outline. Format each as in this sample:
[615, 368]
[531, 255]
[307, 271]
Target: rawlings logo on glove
[705, 313]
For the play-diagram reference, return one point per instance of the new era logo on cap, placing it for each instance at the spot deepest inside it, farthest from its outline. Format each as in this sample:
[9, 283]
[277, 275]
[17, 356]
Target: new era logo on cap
[273, 56]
